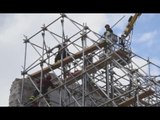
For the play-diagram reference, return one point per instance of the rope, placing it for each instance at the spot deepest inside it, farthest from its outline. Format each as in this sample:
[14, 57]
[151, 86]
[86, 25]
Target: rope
[117, 21]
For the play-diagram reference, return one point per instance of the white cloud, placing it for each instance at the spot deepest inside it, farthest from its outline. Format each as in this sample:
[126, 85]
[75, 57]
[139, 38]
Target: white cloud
[148, 38]
[140, 62]
[155, 60]
[97, 21]
[154, 70]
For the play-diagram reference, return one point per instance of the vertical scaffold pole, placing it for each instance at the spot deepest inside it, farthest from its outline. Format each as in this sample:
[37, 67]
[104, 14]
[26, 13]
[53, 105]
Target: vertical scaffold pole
[24, 69]
[84, 44]
[107, 72]
[63, 70]
[41, 63]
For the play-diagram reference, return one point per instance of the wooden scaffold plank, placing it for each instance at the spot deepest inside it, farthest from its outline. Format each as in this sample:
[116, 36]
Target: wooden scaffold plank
[69, 59]
[141, 96]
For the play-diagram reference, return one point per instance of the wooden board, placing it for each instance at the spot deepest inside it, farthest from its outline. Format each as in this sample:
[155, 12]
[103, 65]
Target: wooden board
[69, 59]
[141, 96]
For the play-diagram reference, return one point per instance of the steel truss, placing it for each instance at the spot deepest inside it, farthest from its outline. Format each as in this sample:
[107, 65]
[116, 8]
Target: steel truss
[98, 72]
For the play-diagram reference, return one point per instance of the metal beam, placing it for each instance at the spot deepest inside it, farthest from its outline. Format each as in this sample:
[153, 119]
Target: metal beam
[91, 68]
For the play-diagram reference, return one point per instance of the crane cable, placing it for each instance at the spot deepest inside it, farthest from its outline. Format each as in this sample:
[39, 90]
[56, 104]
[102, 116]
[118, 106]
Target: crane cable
[118, 21]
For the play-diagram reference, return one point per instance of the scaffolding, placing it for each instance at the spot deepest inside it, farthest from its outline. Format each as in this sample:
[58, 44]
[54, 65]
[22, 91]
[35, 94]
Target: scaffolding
[96, 72]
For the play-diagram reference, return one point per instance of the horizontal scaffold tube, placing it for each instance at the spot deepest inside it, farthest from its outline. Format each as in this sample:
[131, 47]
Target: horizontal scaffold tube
[69, 59]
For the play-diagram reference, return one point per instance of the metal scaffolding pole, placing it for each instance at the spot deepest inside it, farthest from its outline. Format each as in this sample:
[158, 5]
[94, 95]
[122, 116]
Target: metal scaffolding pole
[112, 84]
[24, 70]
[84, 79]
[106, 50]
[110, 80]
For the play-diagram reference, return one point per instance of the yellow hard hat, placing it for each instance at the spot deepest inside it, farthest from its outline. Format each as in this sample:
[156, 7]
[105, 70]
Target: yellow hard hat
[32, 98]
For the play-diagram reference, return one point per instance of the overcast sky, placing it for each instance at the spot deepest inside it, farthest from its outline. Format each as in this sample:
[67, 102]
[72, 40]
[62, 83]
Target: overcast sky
[145, 40]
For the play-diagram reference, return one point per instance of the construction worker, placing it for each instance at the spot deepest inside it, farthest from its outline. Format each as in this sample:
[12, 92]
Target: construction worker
[110, 38]
[65, 54]
[108, 32]
[46, 83]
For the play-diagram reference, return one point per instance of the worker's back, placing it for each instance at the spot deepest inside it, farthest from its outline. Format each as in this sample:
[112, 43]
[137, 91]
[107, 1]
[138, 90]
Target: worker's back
[58, 56]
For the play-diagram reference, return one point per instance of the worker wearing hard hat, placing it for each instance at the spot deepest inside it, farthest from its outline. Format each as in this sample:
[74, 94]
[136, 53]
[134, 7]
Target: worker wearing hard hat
[108, 32]
[108, 28]
[60, 51]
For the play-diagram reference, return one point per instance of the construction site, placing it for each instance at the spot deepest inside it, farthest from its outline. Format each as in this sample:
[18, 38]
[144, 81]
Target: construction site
[84, 68]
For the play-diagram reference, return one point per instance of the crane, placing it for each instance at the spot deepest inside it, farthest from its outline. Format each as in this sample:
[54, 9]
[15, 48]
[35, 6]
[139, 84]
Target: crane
[130, 25]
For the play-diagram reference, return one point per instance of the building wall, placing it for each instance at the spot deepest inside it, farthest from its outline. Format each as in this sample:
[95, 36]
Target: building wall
[15, 91]
[53, 97]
